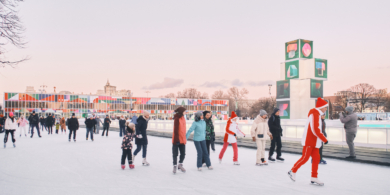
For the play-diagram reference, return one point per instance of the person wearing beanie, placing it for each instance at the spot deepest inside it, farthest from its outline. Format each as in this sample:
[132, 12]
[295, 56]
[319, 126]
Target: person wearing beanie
[199, 128]
[277, 133]
[106, 125]
[141, 138]
[260, 133]
[127, 145]
[232, 131]
[350, 120]
[73, 126]
[312, 140]
[10, 127]
[34, 122]
[210, 134]
[89, 124]
[49, 122]
[179, 139]
[22, 125]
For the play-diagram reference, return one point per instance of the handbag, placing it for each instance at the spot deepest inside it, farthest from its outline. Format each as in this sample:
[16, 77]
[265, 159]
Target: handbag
[260, 135]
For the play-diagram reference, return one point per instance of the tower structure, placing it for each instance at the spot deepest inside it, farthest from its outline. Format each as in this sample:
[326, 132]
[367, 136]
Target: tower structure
[301, 80]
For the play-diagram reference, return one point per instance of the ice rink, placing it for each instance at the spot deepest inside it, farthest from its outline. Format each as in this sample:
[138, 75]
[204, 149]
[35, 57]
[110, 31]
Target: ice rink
[52, 165]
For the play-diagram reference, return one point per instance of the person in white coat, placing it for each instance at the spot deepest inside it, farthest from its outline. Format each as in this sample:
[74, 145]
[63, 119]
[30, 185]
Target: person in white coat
[23, 125]
[10, 127]
[260, 133]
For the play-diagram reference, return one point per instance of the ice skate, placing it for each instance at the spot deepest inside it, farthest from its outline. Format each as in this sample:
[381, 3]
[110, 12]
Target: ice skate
[236, 163]
[316, 181]
[220, 161]
[259, 164]
[123, 167]
[14, 145]
[69, 140]
[292, 175]
[323, 162]
[20, 135]
[74, 140]
[264, 162]
[5, 145]
[199, 168]
[279, 159]
[204, 165]
[91, 139]
[145, 163]
[181, 168]
[174, 169]
[210, 168]
[131, 166]
[87, 138]
[271, 160]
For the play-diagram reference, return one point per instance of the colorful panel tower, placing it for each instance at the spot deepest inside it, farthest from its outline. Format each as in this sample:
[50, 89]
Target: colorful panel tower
[302, 80]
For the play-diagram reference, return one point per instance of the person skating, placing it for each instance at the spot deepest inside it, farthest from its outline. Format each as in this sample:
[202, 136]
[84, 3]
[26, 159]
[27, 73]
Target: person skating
[106, 125]
[10, 127]
[42, 121]
[312, 140]
[90, 124]
[73, 126]
[34, 122]
[127, 145]
[210, 134]
[199, 128]
[57, 127]
[49, 124]
[277, 132]
[23, 124]
[179, 139]
[260, 133]
[122, 126]
[63, 125]
[322, 161]
[141, 138]
[231, 133]
[2, 121]
[98, 122]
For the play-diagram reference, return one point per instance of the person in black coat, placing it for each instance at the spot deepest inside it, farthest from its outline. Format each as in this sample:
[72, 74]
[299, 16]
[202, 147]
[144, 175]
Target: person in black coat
[141, 138]
[34, 122]
[106, 125]
[49, 122]
[122, 125]
[276, 131]
[73, 126]
[42, 121]
[90, 124]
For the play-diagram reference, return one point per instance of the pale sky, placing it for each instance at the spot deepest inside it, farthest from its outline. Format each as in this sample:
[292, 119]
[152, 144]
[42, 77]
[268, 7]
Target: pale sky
[150, 45]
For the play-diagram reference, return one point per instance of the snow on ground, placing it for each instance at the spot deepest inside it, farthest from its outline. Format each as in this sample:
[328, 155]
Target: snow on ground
[52, 165]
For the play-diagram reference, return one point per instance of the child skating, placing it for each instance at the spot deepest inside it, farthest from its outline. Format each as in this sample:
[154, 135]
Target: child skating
[127, 145]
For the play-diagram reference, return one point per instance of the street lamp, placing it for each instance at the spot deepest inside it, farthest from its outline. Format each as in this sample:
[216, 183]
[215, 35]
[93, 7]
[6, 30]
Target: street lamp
[270, 86]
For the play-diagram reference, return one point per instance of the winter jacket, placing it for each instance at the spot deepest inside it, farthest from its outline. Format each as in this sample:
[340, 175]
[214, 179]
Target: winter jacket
[10, 125]
[260, 127]
[50, 121]
[142, 125]
[231, 130]
[90, 123]
[179, 130]
[134, 120]
[127, 139]
[210, 134]
[199, 128]
[274, 125]
[122, 122]
[350, 122]
[2, 121]
[42, 121]
[312, 135]
[22, 122]
[63, 123]
[57, 126]
[33, 119]
[107, 122]
[73, 124]
[98, 121]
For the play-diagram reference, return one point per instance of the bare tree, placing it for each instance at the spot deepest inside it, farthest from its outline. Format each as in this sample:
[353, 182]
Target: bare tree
[11, 30]
[192, 93]
[387, 104]
[379, 99]
[267, 104]
[237, 95]
[219, 95]
[204, 96]
[362, 94]
[170, 95]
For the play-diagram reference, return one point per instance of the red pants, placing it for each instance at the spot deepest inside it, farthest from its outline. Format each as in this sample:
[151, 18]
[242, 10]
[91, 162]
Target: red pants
[235, 150]
[306, 153]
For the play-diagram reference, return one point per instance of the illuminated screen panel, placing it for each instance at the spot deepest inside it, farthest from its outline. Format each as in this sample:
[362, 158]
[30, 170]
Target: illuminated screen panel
[321, 68]
[316, 88]
[291, 50]
[282, 89]
[306, 48]
[284, 107]
[292, 70]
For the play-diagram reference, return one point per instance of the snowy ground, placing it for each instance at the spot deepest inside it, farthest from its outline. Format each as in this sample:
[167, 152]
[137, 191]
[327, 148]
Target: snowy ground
[52, 165]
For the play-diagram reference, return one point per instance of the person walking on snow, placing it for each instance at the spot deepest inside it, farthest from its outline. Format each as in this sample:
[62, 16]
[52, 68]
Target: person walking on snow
[179, 139]
[10, 127]
[141, 138]
[210, 134]
[277, 133]
[199, 128]
[49, 123]
[350, 125]
[232, 131]
[312, 140]
[260, 132]
[63, 125]
[106, 125]
[34, 122]
[90, 124]
[98, 122]
[127, 145]
[73, 126]
[22, 125]
[43, 123]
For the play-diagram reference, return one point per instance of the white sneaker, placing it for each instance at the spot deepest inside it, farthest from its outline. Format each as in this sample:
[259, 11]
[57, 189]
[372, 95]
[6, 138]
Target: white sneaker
[204, 165]
[292, 175]
[236, 163]
[316, 181]
[210, 168]
[145, 163]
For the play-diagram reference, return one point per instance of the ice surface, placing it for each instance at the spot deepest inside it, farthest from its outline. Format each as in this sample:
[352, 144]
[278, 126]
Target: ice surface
[52, 165]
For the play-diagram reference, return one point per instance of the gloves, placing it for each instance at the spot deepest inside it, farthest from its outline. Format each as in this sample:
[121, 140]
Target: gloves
[326, 142]
[139, 136]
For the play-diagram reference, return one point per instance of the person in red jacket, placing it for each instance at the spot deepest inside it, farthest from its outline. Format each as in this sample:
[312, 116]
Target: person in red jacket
[312, 140]
[179, 139]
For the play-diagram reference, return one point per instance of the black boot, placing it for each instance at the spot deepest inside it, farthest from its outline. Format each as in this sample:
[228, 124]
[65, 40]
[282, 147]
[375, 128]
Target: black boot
[271, 159]
[280, 159]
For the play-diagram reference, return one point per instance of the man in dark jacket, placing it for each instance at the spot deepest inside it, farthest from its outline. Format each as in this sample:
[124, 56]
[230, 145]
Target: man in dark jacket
[2, 121]
[73, 126]
[42, 120]
[49, 124]
[98, 122]
[122, 125]
[141, 139]
[90, 124]
[276, 131]
[34, 121]
[106, 125]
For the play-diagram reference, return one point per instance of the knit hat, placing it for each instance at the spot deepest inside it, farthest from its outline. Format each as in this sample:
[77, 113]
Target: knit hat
[180, 110]
[276, 110]
[349, 109]
[146, 113]
[11, 114]
[233, 116]
[73, 114]
[206, 112]
[321, 103]
[33, 111]
[131, 125]
[263, 112]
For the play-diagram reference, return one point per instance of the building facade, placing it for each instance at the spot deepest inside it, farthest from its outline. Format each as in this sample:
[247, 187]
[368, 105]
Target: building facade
[82, 105]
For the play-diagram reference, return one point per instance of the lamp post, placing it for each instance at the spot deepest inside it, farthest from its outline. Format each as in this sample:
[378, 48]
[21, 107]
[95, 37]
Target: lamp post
[270, 86]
